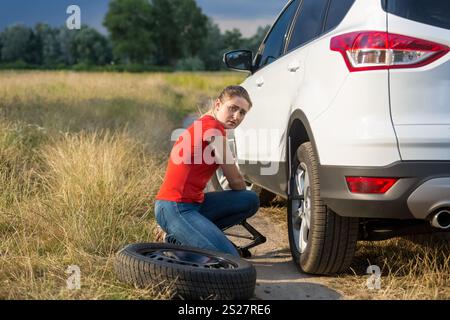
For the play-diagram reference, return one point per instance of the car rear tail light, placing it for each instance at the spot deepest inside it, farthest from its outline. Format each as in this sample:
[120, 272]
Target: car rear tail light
[375, 50]
[370, 184]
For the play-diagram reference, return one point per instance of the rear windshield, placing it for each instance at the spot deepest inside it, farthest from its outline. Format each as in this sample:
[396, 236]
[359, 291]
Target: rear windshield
[432, 12]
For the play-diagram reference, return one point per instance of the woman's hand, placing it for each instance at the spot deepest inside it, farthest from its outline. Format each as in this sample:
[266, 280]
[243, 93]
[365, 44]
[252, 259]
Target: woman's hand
[234, 177]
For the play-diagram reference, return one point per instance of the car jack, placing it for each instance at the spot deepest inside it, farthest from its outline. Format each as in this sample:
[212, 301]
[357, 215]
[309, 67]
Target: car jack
[256, 237]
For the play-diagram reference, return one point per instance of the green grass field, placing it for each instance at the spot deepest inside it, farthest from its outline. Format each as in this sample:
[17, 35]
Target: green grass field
[82, 156]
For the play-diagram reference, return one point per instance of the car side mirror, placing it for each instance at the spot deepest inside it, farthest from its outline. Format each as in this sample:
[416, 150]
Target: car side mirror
[240, 60]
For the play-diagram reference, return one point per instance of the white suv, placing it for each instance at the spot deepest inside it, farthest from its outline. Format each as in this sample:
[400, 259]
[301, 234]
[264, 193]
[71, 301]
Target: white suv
[351, 115]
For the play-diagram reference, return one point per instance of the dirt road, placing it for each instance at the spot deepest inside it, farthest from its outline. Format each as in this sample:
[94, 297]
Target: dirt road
[277, 276]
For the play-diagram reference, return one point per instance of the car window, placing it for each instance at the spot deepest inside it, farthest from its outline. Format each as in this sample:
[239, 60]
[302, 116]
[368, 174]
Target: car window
[435, 13]
[309, 22]
[273, 46]
[337, 11]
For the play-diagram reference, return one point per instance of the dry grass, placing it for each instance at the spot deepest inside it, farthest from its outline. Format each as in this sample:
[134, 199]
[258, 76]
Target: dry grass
[408, 270]
[418, 269]
[82, 156]
[90, 196]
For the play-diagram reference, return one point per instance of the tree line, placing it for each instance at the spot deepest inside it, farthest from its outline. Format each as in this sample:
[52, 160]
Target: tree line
[172, 34]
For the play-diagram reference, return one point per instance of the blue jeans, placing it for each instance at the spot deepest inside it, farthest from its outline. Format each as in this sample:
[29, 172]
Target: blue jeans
[200, 224]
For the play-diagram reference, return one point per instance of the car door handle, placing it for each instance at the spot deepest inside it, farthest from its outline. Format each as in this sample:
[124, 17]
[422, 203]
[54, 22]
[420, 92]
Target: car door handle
[293, 66]
[260, 82]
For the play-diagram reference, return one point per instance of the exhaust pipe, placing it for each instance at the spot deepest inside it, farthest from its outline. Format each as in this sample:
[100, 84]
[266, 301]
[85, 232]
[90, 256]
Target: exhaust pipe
[441, 219]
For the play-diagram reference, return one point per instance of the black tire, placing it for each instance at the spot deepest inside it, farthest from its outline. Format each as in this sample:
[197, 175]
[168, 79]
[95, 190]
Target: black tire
[155, 264]
[330, 241]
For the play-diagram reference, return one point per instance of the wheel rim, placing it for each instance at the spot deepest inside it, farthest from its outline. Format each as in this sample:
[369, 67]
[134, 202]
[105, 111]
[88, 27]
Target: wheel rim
[301, 209]
[222, 179]
[190, 258]
[224, 182]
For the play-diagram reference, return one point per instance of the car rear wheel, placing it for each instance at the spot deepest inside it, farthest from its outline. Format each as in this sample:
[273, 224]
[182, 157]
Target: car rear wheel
[321, 241]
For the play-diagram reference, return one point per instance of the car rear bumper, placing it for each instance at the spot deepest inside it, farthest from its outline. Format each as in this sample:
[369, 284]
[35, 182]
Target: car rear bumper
[422, 188]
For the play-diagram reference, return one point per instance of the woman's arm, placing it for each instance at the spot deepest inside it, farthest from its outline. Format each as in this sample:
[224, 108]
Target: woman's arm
[224, 157]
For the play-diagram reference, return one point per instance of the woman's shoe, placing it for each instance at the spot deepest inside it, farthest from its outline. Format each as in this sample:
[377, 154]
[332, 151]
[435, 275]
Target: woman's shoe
[159, 234]
[168, 238]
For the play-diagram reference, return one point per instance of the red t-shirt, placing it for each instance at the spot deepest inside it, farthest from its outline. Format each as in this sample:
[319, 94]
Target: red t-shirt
[191, 163]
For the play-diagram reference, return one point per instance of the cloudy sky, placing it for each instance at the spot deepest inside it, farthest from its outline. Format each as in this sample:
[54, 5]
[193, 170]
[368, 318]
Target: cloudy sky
[245, 15]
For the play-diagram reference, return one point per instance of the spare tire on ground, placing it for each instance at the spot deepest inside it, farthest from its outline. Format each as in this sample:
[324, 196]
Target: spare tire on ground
[193, 273]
